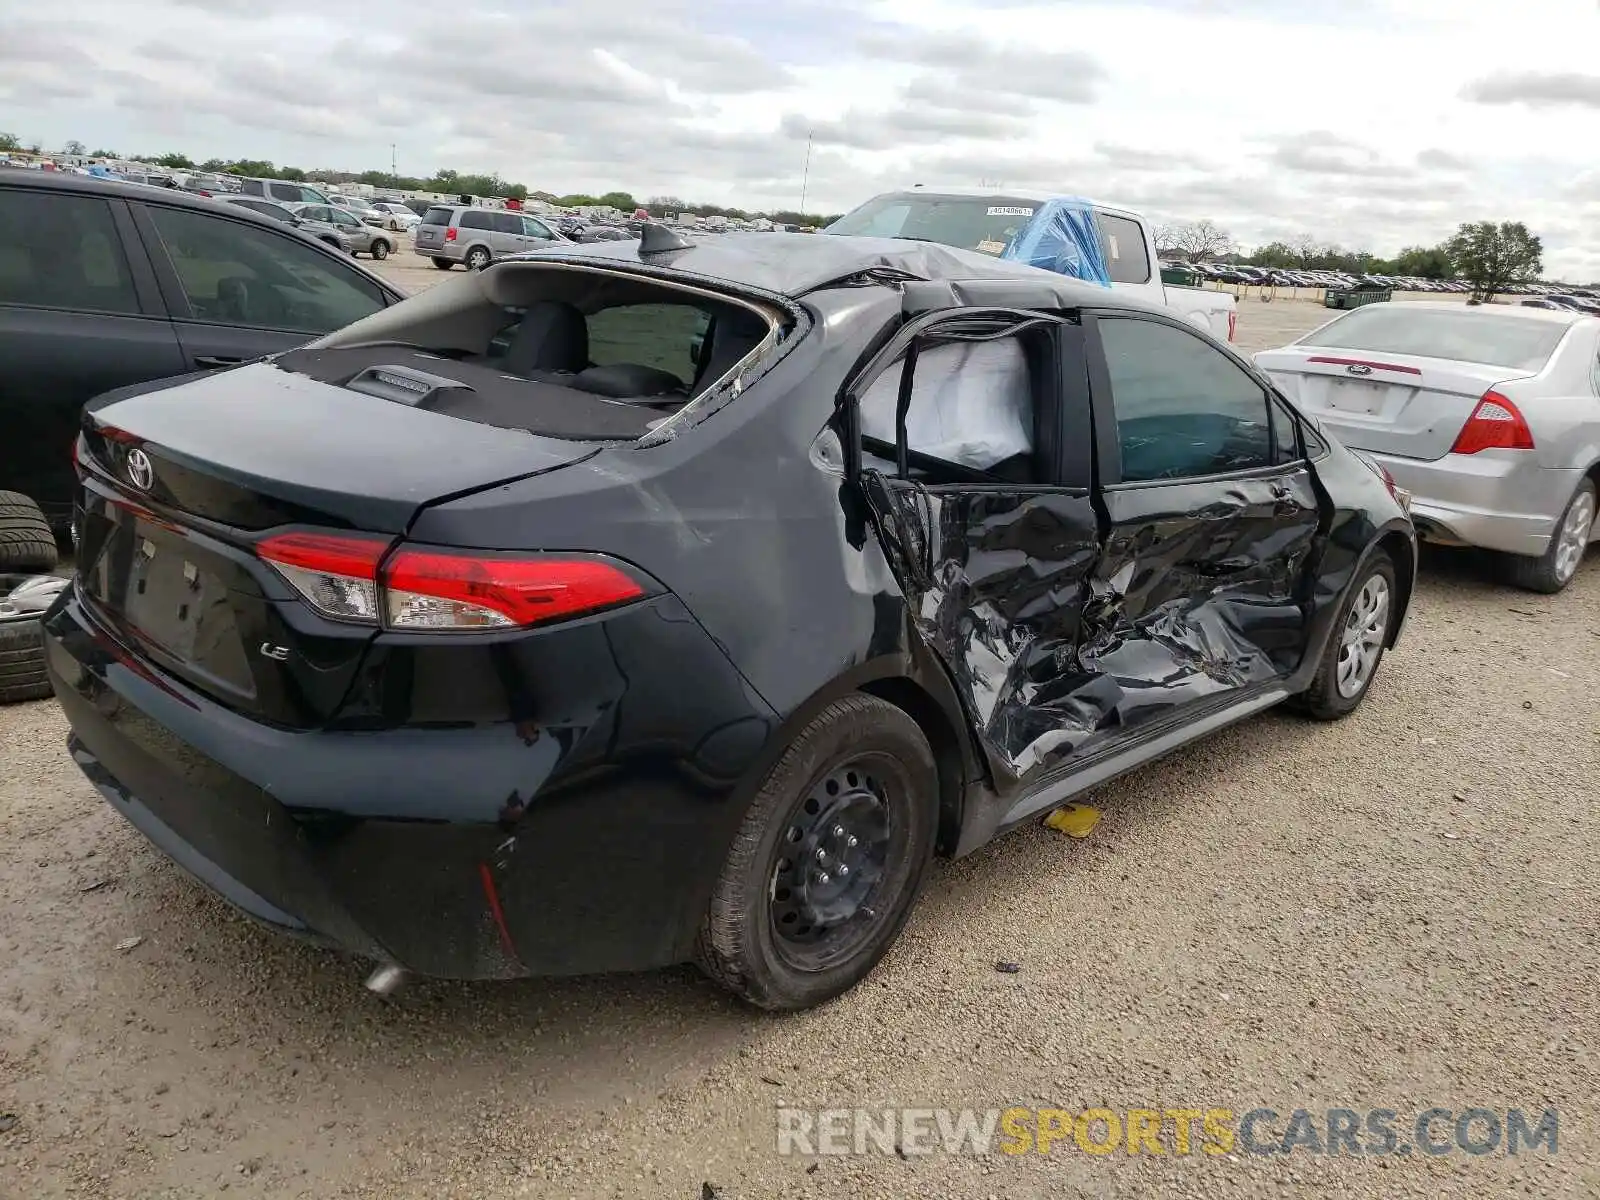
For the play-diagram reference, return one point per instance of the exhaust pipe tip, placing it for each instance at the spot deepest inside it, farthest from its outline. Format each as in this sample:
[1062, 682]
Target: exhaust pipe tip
[387, 980]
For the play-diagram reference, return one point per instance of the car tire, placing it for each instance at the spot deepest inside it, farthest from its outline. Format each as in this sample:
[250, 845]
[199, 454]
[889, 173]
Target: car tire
[444, 264]
[22, 674]
[26, 541]
[863, 767]
[380, 249]
[477, 258]
[1355, 647]
[1553, 570]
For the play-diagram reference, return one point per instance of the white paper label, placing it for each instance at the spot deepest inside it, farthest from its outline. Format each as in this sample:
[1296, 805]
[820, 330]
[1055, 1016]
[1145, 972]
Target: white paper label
[1116, 250]
[1010, 212]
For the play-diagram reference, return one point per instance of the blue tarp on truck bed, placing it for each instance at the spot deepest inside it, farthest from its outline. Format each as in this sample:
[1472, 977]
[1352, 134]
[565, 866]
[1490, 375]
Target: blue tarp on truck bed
[1062, 237]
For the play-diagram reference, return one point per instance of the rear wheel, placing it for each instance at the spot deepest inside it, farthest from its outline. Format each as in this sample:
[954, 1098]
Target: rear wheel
[26, 540]
[1554, 569]
[1356, 645]
[380, 249]
[829, 860]
[444, 264]
[477, 258]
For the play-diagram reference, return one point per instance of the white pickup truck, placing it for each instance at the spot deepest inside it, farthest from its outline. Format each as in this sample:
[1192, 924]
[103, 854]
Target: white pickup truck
[992, 221]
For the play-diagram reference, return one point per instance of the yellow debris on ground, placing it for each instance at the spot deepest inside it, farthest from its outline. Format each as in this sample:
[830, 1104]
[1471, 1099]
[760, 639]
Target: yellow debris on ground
[1074, 820]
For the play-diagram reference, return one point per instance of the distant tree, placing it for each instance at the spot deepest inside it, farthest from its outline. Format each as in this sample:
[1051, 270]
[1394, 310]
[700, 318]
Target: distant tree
[1491, 256]
[517, 191]
[1423, 262]
[10, 141]
[258, 168]
[1193, 241]
[1276, 255]
[294, 173]
[622, 200]
[1305, 249]
[104, 154]
[75, 148]
[213, 164]
[175, 161]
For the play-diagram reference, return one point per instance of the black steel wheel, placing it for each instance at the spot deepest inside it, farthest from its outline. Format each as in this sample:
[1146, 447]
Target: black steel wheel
[829, 859]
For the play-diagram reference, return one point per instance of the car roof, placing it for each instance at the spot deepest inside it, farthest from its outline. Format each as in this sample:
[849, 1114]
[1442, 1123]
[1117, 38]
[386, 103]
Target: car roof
[50, 181]
[789, 264]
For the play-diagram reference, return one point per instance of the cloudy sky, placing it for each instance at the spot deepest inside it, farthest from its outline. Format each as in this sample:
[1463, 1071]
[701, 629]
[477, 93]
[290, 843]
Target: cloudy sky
[1371, 123]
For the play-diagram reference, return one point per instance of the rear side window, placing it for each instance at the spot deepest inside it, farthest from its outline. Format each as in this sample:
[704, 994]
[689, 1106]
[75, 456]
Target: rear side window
[268, 209]
[62, 252]
[662, 336]
[436, 216]
[1524, 343]
[1126, 258]
[1183, 408]
[290, 192]
[239, 274]
[506, 222]
[476, 219]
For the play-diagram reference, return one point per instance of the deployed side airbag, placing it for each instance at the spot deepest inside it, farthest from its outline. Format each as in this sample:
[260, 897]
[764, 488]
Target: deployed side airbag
[971, 404]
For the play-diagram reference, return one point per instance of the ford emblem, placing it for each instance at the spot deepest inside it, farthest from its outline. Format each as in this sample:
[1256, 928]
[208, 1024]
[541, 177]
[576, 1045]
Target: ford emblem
[140, 473]
[1359, 369]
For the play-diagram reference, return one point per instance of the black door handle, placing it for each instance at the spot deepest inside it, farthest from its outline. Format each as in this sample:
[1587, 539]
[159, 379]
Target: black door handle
[216, 360]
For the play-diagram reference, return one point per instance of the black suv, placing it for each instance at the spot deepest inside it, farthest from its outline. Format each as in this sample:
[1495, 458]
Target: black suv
[105, 284]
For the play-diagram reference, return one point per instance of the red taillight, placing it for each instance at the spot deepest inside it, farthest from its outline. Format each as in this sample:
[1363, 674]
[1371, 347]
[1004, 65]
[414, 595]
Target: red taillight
[336, 573]
[441, 589]
[344, 576]
[1494, 425]
[449, 235]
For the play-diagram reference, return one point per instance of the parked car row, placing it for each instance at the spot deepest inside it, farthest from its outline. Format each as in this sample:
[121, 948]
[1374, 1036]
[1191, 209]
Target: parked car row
[1249, 276]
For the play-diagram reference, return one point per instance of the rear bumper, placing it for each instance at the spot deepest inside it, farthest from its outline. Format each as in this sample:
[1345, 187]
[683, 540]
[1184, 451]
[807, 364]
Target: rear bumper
[471, 851]
[453, 251]
[1498, 500]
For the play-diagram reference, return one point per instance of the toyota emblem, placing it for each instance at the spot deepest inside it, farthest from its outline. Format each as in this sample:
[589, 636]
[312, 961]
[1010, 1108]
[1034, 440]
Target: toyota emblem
[140, 473]
[1359, 369]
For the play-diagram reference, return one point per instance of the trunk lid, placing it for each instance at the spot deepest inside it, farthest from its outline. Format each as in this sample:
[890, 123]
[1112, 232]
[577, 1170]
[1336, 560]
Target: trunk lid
[184, 480]
[1405, 405]
[258, 446]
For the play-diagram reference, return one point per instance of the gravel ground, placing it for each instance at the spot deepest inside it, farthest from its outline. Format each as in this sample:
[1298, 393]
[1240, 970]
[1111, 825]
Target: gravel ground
[1395, 911]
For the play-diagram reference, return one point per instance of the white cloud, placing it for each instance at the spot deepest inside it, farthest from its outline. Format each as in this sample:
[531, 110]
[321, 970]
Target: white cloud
[1374, 123]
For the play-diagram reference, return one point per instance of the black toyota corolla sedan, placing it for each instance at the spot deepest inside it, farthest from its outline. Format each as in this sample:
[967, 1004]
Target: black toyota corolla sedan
[640, 603]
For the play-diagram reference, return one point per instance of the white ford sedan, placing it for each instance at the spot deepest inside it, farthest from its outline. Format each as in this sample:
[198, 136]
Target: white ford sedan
[1489, 416]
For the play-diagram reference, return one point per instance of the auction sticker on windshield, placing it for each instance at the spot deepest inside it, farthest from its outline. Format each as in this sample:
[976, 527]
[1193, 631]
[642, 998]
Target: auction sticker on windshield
[1003, 211]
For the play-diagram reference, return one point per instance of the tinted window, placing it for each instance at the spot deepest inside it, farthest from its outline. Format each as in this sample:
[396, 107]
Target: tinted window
[1123, 240]
[267, 208]
[476, 219]
[289, 192]
[651, 335]
[506, 222]
[1525, 343]
[344, 219]
[1285, 439]
[239, 274]
[436, 216]
[1183, 407]
[62, 252]
[253, 187]
[983, 223]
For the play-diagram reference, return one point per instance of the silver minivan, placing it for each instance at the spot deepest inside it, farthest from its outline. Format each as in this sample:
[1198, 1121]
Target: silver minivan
[453, 233]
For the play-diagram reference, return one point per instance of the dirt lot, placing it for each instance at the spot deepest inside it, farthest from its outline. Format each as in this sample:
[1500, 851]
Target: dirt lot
[1397, 911]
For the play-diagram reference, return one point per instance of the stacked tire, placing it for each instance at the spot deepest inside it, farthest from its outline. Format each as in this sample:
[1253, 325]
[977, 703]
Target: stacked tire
[27, 551]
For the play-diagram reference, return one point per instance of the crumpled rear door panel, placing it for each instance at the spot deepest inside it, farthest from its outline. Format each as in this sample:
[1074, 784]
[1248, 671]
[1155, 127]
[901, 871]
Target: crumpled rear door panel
[994, 580]
[1200, 591]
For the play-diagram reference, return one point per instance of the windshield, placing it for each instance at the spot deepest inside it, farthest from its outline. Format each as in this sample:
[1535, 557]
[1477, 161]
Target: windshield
[1477, 337]
[983, 223]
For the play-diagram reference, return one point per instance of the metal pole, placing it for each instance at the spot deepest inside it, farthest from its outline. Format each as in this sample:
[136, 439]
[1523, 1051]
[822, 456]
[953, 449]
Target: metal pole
[393, 173]
[805, 179]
